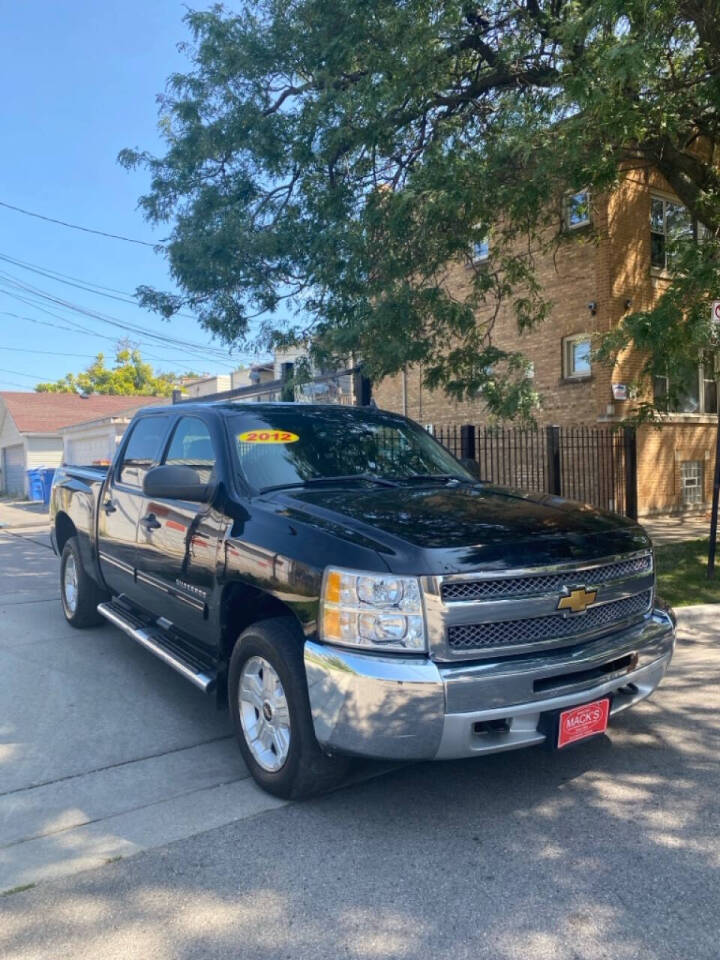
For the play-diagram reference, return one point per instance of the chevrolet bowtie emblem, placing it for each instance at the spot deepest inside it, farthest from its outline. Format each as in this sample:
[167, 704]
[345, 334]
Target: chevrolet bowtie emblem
[577, 600]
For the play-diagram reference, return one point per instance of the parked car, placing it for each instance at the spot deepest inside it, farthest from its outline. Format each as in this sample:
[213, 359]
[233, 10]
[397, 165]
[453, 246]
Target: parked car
[349, 588]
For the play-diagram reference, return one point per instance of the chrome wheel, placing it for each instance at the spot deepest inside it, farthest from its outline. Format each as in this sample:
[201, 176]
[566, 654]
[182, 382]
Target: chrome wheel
[70, 584]
[264, 714]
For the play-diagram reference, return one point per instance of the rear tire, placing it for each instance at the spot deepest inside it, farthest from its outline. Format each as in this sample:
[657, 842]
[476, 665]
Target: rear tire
[79, 593]
[270, 709]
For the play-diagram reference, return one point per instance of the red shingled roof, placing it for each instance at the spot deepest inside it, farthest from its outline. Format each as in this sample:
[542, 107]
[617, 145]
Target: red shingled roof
[47, 412]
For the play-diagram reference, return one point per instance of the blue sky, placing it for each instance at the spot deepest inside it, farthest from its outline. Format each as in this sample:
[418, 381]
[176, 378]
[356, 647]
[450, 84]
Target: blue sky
[79, 82]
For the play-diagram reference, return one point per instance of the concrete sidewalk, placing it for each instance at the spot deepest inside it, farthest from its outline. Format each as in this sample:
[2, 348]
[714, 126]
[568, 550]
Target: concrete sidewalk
[676, 529]
[23, 514]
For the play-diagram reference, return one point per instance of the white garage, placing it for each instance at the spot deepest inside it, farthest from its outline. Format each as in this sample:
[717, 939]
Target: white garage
[94, 442]
[33, 425]
[93, 448]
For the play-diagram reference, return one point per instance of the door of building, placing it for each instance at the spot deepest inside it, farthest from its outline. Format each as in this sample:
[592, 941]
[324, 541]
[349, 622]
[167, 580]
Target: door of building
[14, 469]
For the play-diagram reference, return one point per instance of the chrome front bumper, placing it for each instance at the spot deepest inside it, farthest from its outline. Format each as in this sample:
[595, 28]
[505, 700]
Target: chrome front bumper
[399, 708]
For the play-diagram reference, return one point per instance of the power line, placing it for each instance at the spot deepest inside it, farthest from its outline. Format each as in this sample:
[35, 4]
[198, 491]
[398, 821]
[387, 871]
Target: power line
[112, 293]
[75, 226]
[18, 373]
[77, 328]
[58, 273]
[87, 285]
[11, 383]
[49, 353]
[112, 321]
[123, 298]
[206, 354]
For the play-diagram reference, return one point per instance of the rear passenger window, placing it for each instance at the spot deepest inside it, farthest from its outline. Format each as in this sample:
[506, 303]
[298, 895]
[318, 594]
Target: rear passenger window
[143, 449]
[192, 446]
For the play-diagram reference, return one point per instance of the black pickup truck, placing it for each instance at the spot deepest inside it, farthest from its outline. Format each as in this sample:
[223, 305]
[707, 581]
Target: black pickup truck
[348, 588]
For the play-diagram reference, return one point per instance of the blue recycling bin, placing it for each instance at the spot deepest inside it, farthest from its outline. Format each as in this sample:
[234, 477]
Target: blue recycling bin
[48, 473]
[40, 483]
[36, 485]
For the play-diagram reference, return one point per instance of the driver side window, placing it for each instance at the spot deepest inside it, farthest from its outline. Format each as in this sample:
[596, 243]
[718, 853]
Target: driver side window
[143, 450]
[192, 446]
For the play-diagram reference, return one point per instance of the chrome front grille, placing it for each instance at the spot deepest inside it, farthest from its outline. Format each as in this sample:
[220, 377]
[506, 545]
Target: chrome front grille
[481, 615]
[506, 633]
[454, 591]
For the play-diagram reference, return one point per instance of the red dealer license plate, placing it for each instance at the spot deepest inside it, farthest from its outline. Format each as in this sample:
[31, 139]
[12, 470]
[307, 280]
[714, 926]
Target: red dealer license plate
[585, 721]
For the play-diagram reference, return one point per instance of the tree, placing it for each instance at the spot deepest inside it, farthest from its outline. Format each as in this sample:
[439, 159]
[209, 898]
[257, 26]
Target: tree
[129, 376]
[327, 159]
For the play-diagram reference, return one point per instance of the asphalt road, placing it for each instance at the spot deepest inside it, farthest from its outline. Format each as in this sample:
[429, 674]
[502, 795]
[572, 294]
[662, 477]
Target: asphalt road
[609, 850]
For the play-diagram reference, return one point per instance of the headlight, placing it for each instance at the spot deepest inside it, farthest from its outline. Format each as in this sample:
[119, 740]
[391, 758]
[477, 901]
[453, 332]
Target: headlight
[371, 610]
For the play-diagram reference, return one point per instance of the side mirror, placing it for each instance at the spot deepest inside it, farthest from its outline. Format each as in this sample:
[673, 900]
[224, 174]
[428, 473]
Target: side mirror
[176, 483]
[472, 466]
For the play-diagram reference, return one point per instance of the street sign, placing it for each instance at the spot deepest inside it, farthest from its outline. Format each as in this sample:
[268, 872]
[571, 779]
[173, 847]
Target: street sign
[715, 313]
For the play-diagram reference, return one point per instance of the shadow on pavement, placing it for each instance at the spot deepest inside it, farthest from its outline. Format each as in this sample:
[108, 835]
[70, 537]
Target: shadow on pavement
[609, 850]
[28, 569]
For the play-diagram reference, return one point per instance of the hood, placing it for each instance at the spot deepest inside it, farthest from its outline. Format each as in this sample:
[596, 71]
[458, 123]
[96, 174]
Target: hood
[459, 528]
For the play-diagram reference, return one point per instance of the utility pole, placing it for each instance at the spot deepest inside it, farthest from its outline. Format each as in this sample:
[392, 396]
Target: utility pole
[714, 511]
[715, 324]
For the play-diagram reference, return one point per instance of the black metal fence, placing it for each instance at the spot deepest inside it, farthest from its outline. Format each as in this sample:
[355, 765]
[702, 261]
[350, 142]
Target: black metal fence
[596, 465]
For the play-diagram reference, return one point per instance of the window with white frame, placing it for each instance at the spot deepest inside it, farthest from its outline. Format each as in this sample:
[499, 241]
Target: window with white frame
[577, 210]
[695, 391]
[481, 248]
[577, 356]
[691, 472]
[669, 220]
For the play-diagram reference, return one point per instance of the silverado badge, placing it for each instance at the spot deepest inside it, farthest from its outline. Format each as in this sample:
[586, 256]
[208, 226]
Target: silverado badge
[577, 601]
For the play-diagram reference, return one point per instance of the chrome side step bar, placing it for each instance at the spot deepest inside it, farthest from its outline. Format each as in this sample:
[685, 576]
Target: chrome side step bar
[155, 642]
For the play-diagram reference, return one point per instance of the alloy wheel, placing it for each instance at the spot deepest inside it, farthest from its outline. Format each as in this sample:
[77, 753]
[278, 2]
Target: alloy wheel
[264, 714]
[70, 584]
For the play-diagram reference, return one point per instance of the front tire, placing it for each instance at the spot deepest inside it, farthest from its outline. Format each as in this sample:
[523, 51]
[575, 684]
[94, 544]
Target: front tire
[79, 593]
[267, 692]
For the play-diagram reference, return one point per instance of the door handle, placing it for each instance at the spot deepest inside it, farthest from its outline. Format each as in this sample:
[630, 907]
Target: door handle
[151, 522]
[109, 507]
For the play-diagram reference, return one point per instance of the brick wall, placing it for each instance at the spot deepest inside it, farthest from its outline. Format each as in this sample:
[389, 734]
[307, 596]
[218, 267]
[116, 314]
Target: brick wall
[661, 454]
[608, 263]
[575, 275]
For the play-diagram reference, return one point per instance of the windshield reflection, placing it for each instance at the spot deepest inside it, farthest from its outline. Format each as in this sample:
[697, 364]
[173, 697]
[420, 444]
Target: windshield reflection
[285, 446]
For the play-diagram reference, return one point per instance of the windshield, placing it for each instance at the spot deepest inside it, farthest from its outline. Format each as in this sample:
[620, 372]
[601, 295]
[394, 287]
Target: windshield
[292, 446]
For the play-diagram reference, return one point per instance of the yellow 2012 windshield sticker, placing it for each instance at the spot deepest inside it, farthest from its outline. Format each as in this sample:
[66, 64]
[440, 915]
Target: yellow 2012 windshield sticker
[268, 436]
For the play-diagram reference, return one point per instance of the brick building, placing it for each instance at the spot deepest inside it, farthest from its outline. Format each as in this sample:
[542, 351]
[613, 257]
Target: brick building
[616, 264]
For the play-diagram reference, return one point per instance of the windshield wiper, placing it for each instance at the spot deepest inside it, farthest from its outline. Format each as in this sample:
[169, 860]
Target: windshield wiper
[369, 477]
[440, 477]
